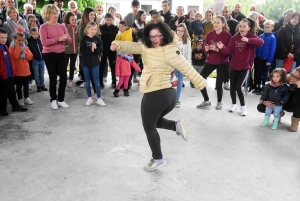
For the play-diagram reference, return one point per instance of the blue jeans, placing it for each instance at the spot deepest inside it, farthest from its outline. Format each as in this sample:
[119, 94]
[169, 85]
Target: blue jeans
[38, 70]
[280, 64]
[275, 110]
[179, 86]
[87, 76]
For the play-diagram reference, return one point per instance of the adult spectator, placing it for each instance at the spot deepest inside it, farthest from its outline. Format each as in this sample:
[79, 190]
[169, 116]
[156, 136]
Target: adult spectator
[254, 16]
[180, 18]
[15, 24]
[261, 17]
[191, 15]
[287, 16]
[2, 12]
[287, 36]
[155, 17]
[237, 14]
[166, 12]
[112, 11]
[32, 21]
[27, 9]
[54, 36]
[232, 23]
[72, 5]
[61, 13]
[99, 13]
[37, 15]
[130, 17]
[293, 104]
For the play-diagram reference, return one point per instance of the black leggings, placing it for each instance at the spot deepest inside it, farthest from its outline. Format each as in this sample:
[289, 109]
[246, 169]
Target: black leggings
[155, 105]
[237, 79]
[112, 64]
[72, 58]
[221, 70]
[22, 81]
[260, 72]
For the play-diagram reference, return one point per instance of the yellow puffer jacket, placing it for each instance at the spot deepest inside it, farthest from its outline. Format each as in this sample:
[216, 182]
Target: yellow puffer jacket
[159, 63]
[125, 36]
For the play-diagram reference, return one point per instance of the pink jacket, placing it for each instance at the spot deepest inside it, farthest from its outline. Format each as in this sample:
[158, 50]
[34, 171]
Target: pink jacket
[123, 67]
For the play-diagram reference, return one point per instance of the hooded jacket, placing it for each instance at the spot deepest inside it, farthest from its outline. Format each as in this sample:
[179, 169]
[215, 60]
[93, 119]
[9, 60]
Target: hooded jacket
[72, 48]
[182, 19]
[3, 68]
[123, 66]
[125, 36]
[286, 37]
[159, 63]
[21, 65]
[276, 94]
[10, 26]
[267, 51]
[242, 52]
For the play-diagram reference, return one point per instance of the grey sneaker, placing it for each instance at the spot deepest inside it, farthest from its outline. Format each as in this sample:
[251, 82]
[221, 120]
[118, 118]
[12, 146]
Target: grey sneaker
[178, 104]
[154, 164]
[181, 130]
[219, 106]
[204, 104]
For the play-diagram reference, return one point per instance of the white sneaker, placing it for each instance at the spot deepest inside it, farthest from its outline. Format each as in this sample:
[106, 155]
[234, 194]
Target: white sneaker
[244, 110]
[82, 85]
[89, 101]
[226, 86]
[245, 90]
[181, 130]
[62, 104]
[100, 102]
[28, 101]
[21, 102]
[233, 108]
[54, 105]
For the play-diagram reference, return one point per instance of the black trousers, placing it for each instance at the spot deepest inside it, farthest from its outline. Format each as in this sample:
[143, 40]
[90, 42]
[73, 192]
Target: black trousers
[112, 64]
[7, 91]
[56, 66]
[260, 71]
[22, 81]
[237, 79]
[221, 70]
[72, 58]
[227, 73]
[155, 105]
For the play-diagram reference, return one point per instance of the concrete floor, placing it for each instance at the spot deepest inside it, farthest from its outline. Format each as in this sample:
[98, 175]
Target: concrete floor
[98, 153]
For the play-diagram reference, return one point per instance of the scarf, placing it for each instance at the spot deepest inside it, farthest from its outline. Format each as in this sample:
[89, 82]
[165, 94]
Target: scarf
[129, 58]
[22, 47]
[138, 25]
[273, 84]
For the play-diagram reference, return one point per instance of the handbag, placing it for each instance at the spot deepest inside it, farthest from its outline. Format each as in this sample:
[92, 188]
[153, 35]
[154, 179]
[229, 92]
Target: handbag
[173, 80]
[288, 62]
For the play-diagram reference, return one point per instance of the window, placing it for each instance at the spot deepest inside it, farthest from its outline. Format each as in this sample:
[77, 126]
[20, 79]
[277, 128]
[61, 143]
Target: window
[196, 8]
[146, 8]
[115, 5]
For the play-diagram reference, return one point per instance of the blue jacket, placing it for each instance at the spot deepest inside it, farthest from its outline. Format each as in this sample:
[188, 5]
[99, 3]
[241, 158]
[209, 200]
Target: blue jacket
[276, 94]
[267, 51]
[197, 27]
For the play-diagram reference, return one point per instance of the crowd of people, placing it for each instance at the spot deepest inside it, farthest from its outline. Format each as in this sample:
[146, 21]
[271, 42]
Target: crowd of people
[248, 52]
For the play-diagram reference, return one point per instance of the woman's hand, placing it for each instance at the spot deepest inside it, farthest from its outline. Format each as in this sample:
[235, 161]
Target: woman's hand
[220, 45]
[244, 39]
[20, 28]
[268, 64]
[63, 37]
[297, 83]
[269, 104]
[176, 23]
[206, 48]
[113, 47]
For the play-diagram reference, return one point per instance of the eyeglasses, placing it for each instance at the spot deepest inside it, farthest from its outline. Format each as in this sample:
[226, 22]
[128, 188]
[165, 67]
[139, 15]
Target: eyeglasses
[181, 31]
[155, 37]
[291, 74]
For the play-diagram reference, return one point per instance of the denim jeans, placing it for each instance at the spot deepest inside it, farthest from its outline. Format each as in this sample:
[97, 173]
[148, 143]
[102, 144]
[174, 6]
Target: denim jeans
[275, 110]
[179, 76]
[280, 64]
[87, 71]
[39, 70]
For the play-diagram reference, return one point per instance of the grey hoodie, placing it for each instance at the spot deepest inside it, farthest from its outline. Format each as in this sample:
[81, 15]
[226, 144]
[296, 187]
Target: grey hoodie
[10, 26]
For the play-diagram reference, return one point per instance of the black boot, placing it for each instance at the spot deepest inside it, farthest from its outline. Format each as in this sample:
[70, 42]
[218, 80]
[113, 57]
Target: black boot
[43, 88]
[126, 92]
[38, 89]
[116, 93]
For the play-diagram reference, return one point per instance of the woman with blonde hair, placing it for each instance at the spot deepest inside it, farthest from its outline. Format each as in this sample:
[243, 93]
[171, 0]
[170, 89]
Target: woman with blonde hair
[54, 36]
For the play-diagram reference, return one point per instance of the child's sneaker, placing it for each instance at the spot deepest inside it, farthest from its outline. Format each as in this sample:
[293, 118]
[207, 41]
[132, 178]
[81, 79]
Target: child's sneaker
[226, 86]
[62, 104]
[100, 102]
[89, 101]
[233, 108]
[244, 111]
[204, 104]
[21, 102]
[54, 105]
[28, 101]
[219, 106]
[154, 164]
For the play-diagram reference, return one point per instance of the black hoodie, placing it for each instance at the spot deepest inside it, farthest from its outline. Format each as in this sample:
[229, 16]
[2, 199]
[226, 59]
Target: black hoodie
[89, 58]
[167, 16]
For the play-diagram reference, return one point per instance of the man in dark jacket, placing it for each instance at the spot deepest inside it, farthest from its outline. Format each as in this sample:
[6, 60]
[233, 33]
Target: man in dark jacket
[37, 15]
[180, 18]
[287, 16]
[61, 14]
[237, 14]
[108, 35]
[232, 23]
[166, 12]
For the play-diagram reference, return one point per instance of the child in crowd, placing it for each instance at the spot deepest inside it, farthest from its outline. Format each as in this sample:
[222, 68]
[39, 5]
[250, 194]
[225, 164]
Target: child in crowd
[208, 24]
[197, 28]
[123, 71]
[276, 91]
[21, 55]
[198, 57]
[71, 50]
[125, 32]
[242, 47]
[7, 86]
[38, 64]
[264, 57]
[186, 50]
[91, 50]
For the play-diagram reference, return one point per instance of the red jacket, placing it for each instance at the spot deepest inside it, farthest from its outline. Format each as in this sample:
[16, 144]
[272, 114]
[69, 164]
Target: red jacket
[123, 67]
[242, 52]
[21, 65]
[3, 70]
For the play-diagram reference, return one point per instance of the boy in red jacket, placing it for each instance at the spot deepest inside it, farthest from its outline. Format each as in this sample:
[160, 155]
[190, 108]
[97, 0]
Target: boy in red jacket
[7, 89]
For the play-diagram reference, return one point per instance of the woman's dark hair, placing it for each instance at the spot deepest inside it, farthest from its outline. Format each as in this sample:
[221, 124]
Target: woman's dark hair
[67, 17]
[224, 21]
[296, 14]
[138, 16]
[282, 73]
[164, 30]
[85, 17]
